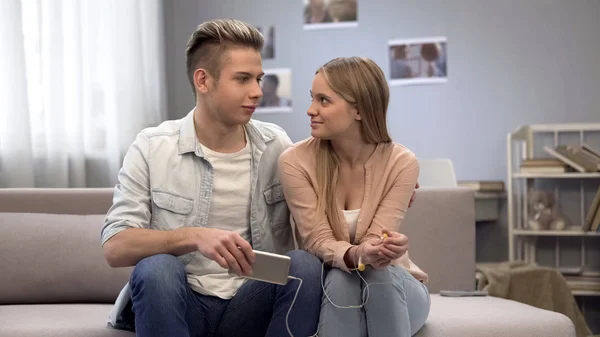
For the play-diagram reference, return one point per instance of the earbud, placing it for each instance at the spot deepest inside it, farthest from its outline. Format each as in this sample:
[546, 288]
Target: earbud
[361, 266]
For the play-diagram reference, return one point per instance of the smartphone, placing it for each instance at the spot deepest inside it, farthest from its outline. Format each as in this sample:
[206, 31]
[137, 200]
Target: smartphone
[463, 293]
[269, 267]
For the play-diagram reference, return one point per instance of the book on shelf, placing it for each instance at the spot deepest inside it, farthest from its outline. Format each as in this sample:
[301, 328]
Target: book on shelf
[592, 218]
[589, 283]
[580, 157]
[595, 226]
[557, 153]
[590, 273]
[482, 185]
[543, 169]
[591, 150]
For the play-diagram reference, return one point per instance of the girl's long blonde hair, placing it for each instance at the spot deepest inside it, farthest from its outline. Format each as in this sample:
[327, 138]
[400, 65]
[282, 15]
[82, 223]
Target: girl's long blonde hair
[360, 82]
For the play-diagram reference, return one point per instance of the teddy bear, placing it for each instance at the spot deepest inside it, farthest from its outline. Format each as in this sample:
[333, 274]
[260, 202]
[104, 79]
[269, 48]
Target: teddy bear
[543, 211]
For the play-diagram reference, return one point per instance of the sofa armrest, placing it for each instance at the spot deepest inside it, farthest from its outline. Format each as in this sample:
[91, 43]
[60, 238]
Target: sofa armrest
[440, 227]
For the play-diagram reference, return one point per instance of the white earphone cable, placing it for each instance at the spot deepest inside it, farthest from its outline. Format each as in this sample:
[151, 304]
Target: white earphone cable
[365, 297]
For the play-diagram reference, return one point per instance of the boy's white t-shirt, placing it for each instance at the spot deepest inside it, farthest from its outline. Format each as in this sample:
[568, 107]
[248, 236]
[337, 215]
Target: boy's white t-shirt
[229, 210]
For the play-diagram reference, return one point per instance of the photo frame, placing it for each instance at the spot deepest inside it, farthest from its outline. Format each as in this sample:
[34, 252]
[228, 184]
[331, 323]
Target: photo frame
[276, 85]
[268, 32]
[418, 61]
[325, 14]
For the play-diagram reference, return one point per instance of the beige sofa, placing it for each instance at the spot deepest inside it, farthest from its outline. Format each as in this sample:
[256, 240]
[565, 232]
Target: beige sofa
[55, 282]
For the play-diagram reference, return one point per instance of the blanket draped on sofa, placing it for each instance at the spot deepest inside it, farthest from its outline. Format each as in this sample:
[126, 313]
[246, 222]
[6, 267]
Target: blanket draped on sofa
[541, 287]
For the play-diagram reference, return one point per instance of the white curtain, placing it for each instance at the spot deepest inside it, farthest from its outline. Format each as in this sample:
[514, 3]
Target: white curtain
[78, 80]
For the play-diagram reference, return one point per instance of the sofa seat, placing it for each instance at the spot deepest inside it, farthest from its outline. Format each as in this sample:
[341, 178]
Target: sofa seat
[492, 316]
[57, 320]
[449, 317]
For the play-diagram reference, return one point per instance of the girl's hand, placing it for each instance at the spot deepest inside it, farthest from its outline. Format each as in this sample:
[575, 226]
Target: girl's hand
[368, 252]
[394, 246]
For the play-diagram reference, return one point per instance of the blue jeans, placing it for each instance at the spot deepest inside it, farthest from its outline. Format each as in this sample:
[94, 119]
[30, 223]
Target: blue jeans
[164, 304]
[397, 304]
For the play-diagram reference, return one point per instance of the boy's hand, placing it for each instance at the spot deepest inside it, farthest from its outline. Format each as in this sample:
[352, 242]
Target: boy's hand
[413, 197]
[226, 248]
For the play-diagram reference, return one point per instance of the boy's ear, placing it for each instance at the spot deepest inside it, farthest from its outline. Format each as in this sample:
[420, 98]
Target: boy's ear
[201, 80]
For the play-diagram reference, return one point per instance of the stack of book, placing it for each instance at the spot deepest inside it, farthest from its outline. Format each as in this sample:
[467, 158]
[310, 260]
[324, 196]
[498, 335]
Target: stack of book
[549, 165]
[485, 186]
[584, 283]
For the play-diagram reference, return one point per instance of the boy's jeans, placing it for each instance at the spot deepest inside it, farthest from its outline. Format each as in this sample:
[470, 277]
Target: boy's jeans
[164, 305]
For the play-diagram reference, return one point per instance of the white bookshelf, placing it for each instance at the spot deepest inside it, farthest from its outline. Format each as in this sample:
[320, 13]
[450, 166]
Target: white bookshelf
[566, 232]
[569, 175]
[576, 188]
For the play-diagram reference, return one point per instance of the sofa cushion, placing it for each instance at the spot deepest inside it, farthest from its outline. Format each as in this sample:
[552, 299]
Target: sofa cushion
[492, 316]
[57, 320]
[55, 258]
[440, 227]
[56, 200]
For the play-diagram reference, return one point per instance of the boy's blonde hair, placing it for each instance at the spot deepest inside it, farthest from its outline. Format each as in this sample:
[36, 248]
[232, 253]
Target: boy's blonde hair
[209, 42]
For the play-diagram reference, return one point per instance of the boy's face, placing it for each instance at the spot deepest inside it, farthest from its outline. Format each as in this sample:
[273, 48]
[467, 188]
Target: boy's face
[233, 99]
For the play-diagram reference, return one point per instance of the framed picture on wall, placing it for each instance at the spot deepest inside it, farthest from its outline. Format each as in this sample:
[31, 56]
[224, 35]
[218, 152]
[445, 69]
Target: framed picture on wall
[418, 61]
[268, 33]
[276, 86]
[324, 14]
